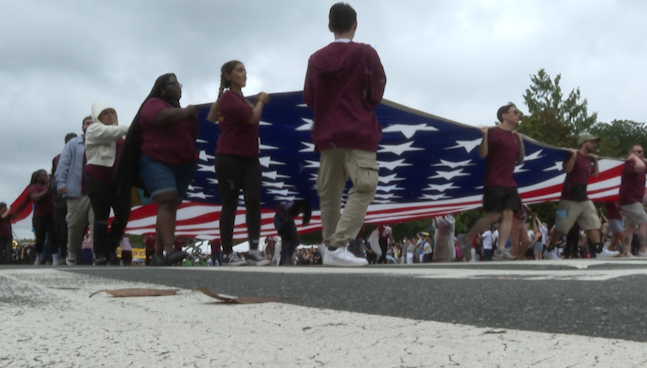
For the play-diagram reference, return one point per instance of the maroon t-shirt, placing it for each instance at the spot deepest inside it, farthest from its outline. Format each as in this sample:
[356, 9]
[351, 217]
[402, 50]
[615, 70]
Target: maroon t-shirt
[171, 144]
[215, 247]
[237, 137]
[503, 150]
[632, 184]
[613, 212]
[44, 207]
[150, 242]
[178, 244]
[5, 228]
[579, 175]
[106, 174]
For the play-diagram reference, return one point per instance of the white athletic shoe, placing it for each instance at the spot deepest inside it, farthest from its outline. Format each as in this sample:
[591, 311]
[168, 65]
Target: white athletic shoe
[342, 257]
[56, 260]
[502, 255]
[608, 253]
[257, 258]
[642, 254]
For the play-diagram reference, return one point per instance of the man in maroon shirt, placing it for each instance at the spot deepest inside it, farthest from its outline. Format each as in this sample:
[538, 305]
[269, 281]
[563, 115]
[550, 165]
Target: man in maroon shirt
[343, 82]
[574, 205]
[632, 188]
[502, 147]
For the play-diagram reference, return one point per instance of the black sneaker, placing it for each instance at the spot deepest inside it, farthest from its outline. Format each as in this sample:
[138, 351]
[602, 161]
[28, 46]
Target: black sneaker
[101, 261]
[114, 260]
[160, 261]
[232, 259]
[176, 256]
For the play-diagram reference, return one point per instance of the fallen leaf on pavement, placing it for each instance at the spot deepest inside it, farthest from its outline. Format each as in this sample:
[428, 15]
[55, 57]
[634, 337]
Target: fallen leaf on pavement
[239, 300]
[124, 293]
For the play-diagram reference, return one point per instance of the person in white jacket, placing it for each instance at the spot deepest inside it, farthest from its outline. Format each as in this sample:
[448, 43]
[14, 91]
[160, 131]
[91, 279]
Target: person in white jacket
[103, 141]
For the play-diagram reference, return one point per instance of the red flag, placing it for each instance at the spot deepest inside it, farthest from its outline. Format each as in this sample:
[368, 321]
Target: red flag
[21, 207]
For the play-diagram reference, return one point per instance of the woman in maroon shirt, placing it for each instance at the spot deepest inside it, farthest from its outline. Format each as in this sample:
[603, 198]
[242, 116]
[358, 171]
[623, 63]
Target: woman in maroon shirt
[167, 163]
[237, 165]
[43, 217]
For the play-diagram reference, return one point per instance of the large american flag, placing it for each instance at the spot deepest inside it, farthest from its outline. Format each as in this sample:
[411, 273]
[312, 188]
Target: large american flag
[429, 166]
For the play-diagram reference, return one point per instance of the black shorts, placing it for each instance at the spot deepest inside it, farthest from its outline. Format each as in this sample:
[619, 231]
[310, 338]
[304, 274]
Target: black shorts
[497, 199]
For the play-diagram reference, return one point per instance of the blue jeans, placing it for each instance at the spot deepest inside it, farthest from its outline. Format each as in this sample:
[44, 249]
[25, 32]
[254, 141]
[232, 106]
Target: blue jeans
[161, 178]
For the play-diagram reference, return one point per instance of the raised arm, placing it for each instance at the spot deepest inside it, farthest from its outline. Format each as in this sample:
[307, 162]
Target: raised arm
[483, 148]
[173, 115]
[570, 162]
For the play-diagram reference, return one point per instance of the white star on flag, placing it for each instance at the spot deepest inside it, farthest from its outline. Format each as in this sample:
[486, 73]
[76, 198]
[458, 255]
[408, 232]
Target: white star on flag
[204, 157]
[534, 156]
[392, 165]
[267, 161]
[468, 145]
[273, 175]
[310, 147]
[398, 149]
[448, 175]
[519, 169]
[206, 168]
[453, 165]
[307, 125]
[559, 166]
[434, 197]
[408, 130]
[388, 179]
[441, 188]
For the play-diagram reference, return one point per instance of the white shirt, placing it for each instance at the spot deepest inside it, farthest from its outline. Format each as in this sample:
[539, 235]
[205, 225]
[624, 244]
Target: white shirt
[544, 235]
[125, 244]
[495, 238]
[487, 240]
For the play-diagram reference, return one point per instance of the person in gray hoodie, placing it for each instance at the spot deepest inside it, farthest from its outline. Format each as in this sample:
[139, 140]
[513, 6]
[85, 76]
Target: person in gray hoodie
[103, 142]
[69, 182]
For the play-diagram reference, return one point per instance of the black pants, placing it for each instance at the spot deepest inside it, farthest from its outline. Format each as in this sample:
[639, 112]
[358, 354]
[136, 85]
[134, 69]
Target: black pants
[5, 249]
[61, 228]
[44, 226]
[384, 248]
[235, 173]
[103, 197]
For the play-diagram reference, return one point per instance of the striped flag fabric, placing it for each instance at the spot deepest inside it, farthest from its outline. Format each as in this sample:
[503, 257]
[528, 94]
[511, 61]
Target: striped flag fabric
[429, 166]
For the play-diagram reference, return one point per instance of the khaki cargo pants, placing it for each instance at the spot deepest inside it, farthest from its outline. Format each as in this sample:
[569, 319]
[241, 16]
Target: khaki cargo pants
[336, 166]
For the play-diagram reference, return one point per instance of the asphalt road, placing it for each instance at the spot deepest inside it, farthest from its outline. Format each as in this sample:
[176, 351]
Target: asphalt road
[611, 307]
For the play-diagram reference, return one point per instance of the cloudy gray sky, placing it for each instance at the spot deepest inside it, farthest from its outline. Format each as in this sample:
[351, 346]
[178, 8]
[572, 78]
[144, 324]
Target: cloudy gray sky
[457, 59]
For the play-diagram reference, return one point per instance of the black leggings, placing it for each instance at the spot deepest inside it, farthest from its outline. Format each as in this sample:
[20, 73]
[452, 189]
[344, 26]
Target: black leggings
[44, 227]
[103, 197]
[235, 173]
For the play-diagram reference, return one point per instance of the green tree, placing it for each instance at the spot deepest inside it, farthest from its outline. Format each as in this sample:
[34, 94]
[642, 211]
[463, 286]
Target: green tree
[618, 135]
[545, 127]
[545, 95]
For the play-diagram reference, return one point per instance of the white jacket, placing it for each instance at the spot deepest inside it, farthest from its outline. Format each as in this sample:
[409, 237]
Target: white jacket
[100, 139]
